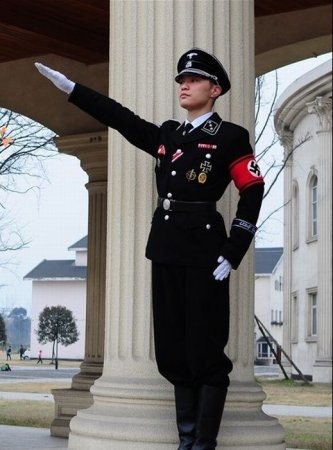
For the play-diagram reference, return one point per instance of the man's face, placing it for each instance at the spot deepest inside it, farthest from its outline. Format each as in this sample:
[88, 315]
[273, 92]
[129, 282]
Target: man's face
[197, 93]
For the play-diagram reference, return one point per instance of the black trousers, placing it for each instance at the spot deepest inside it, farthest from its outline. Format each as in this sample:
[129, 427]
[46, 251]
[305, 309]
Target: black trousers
[191, 325]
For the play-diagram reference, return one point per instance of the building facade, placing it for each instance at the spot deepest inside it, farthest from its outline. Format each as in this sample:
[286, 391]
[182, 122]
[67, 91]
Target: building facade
[268, 302]
[60, 282]
[303, 121]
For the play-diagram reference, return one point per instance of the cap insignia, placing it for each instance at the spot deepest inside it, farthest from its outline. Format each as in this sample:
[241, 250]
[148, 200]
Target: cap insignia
[188, 64]
[190, 55]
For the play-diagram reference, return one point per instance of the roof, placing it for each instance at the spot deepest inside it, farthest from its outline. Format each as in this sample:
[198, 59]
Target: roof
[55, 269]
[82, 244]
[266, 259]
[79, 29]
[75, 29]
[263, 339]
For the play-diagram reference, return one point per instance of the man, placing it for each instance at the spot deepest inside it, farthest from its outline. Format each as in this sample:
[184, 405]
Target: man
[9, 353]
[188, 245]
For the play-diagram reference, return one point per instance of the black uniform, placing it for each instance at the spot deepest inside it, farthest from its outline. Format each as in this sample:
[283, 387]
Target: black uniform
[191, 308]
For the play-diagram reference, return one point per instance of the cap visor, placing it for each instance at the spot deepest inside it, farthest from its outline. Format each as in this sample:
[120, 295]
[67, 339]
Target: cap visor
[198, 72]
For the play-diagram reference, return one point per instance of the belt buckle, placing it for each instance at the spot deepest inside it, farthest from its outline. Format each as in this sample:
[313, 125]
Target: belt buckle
[166, 204]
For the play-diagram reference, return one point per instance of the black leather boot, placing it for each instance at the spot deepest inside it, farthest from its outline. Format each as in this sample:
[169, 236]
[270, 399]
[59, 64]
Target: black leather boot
[186, 399]
[209, 416]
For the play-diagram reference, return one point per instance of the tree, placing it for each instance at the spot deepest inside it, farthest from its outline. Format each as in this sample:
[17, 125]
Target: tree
[3, 335]
[18, 311]
[272, 158]
[57, 325]
[24, 145]
[18, 326]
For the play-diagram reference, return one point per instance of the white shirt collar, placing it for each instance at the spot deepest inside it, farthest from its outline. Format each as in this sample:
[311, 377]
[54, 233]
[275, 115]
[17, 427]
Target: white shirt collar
[199, 120]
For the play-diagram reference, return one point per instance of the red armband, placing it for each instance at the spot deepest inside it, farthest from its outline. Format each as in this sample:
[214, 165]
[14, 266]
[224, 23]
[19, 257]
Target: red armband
[245, 172]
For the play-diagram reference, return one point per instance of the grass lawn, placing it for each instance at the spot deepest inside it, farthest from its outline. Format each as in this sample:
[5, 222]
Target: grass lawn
[35, 387]
[301, 432]
[307, 432]
[289, 392]
[26, 413]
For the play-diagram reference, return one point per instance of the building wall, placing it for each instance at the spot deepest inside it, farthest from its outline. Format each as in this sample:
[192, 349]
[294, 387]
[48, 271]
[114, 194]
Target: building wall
[305, 255]
[303, 121]
[276, 302]
[70, 294]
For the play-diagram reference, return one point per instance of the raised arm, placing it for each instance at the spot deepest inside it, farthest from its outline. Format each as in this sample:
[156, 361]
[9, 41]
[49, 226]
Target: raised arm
[139, 132]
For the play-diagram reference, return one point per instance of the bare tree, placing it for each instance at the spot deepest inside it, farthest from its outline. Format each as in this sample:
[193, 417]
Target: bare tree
[267, 139]
[24, 146]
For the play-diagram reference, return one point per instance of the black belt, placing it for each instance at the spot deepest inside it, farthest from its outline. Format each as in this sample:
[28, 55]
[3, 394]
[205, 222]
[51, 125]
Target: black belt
[177, 205]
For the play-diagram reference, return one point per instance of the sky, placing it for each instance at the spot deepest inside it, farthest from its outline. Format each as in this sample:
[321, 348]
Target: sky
[55, 217]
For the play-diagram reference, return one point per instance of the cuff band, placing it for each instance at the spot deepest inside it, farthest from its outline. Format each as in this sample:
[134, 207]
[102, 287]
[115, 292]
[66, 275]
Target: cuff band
[247, 226]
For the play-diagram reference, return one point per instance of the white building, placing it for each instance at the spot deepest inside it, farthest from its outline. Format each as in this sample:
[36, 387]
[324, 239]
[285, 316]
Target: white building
[60, 282]
[303, 121]
[268, 301]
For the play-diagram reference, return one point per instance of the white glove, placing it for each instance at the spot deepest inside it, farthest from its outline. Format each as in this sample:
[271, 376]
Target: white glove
[57, 78]
[223, 270]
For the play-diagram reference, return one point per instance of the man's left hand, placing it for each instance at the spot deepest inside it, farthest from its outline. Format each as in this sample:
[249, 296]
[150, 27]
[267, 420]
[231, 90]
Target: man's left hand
[223, 269]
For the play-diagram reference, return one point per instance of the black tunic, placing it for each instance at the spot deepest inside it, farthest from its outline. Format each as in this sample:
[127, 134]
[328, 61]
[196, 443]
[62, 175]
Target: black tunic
[191, 308]
[196, 167]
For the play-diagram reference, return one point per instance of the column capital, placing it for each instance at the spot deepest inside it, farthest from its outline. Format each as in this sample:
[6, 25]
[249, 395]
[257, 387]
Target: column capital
[286, 138]
[90, 149]
[322, 107]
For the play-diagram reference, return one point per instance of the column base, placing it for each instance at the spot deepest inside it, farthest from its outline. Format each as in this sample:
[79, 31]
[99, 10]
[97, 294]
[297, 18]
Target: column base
[128, 416]
[89, 372]
[67, 404]
[69, 401]
[244, 425]
[128, 419]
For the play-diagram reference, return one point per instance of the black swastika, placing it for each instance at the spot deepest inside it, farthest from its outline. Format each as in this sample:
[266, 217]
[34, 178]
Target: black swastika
[254, 168]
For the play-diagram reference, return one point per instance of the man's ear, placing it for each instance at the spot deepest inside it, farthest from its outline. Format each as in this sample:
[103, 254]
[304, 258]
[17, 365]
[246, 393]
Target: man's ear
[216, 91]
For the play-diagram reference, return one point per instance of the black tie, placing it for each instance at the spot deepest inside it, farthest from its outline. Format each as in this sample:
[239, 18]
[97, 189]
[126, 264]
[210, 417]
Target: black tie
[188, 127]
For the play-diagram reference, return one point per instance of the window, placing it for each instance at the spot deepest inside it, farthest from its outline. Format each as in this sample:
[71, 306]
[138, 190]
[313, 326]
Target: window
[264, 350]
[276, 317]
[312, 314]
[278, 285]
[294, 319]
[313, 206]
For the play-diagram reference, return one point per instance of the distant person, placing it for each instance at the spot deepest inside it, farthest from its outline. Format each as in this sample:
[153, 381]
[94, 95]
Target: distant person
[5, 367]
[9, 353]
[21, 352]
[40, 360]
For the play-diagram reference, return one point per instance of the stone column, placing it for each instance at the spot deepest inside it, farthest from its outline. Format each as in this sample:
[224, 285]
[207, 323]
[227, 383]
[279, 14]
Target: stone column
[287, 141]
[322, 370]
[133, 406]
[244, 425]
[91, 149]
